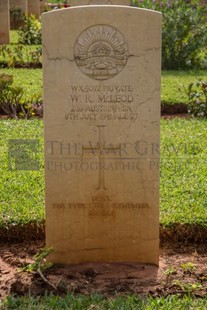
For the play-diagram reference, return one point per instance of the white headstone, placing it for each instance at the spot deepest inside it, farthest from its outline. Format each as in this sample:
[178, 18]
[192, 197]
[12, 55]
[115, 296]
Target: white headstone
[102, 112]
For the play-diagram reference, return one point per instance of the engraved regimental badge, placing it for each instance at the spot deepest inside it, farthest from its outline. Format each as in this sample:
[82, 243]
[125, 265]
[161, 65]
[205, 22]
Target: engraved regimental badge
[101, 52]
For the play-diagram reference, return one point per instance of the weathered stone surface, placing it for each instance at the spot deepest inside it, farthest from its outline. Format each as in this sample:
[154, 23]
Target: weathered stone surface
[42, 6]
[34, 7]
[101, 114]
[4, 22]
[17, 10]
[22, 4]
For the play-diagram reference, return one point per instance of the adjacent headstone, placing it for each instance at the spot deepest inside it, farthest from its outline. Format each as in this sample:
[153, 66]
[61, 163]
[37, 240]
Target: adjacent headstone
[4, 22]
[17, 10]
[42, 6]
[99, 2]
[34, 7]
[102, 114]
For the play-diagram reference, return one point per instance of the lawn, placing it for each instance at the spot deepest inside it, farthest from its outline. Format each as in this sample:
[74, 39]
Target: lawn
[102, 303]
[21, 192]
[30, 80]
[183, 174]
[175, 84]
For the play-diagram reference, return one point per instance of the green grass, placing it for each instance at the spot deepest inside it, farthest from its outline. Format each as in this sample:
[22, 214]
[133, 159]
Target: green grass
[173, 82]
[14, 36]
[21, 192]
[96, 302]
[30, 80]
[22, 54]
[183, 174]
[183, 171]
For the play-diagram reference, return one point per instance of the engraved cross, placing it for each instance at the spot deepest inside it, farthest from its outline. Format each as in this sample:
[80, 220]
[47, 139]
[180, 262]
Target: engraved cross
[101, 148]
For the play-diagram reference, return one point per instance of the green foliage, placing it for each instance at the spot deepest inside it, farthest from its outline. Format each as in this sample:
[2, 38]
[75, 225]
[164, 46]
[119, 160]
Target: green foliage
[20, 56]
[11, 99]
[170, 270]
[13, 36]
[186, 287]
[188, 267]
[30, 81]
[39, 261]
[184, 31]
[197, 95]
[182, 284]
[98, 302]
[31, 32]
[173, 85]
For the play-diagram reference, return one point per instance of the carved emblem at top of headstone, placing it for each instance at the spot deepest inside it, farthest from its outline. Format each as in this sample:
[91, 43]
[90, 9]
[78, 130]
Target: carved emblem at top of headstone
[101, 52]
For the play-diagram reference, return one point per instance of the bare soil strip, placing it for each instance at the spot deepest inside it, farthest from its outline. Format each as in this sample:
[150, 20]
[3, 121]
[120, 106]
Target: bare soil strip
[182, 269]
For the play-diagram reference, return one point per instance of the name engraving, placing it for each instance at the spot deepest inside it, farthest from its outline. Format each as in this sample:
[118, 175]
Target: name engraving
[101, 102]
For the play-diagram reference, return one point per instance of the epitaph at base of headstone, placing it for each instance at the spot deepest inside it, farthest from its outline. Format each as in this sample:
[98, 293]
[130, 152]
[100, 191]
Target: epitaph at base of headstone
[4, 22]
[101, 115]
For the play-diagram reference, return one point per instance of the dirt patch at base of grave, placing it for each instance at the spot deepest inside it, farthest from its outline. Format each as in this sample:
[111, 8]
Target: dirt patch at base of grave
[176, 108]
[19, 233]
[182, 269]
